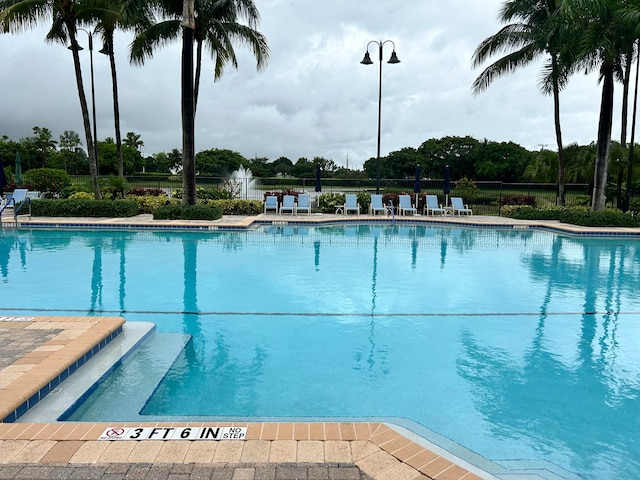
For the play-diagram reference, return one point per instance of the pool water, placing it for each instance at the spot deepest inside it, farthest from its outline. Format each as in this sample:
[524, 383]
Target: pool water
[518, 345]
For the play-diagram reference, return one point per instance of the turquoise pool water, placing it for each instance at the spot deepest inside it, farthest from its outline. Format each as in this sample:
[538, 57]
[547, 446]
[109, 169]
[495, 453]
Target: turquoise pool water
[518, 345]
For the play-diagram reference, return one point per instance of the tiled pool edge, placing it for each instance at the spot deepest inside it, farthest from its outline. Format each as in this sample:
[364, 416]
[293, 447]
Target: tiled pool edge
[67, 352]
[377, 449]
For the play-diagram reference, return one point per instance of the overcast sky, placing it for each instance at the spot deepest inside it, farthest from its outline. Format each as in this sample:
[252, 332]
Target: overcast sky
[314, 98]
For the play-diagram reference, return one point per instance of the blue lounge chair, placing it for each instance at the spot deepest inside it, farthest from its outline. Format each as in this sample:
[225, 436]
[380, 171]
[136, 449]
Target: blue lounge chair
[460, 208]
[376, 205]
[14, 200]
[303, 204]
[271, 203]
[351, 204]
[432, 207]
[406, 206]
[288, 204]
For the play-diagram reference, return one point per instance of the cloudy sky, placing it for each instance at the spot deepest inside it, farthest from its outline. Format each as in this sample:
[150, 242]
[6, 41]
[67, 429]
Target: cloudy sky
[314, 98]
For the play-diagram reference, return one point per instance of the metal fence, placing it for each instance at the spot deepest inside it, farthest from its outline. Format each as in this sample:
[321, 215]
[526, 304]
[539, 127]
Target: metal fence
[484, 199]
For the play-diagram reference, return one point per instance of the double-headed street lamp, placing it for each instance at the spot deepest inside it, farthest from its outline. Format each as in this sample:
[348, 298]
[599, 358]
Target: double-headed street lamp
[367, 61]
[105, 50]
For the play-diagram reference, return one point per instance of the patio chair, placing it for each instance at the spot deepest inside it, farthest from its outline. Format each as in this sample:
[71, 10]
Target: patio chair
[288, 204]
[406, 205]
[432, 207]
[351, 204]
[271, 203]
[303, 204]
[376, 205]
[459, 208]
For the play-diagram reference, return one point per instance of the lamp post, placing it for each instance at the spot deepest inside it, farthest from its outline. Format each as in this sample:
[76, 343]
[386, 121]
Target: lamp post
[93, 93]
[367, 61]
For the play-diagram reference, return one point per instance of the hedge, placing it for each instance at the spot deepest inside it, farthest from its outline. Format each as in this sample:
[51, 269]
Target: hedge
[573, 215]
[83, 208]
[188, 212]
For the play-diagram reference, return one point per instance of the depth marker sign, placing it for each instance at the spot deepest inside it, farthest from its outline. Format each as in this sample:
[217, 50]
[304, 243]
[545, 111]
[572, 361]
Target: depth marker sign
[174, 433]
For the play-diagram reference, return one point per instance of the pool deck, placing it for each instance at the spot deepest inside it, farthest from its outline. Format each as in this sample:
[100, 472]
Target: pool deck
[37, 353]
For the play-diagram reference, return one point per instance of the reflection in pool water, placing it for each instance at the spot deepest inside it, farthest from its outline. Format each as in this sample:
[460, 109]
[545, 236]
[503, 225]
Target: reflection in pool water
[515, 344]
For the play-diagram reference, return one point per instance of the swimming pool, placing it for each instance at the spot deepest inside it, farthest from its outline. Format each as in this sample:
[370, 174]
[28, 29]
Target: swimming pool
[519, 345]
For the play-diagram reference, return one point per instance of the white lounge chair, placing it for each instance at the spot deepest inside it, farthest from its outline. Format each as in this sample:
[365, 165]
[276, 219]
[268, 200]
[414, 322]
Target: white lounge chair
[406, 206]
[432, 207]
[303, 204]
[376, 205]
[351, 204]
[14, 199]
[459, 208]
[271, 203]
[288, 204]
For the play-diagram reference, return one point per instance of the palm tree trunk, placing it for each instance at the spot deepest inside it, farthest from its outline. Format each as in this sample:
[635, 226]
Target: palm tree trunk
[116, 104]
[188, 124]
[604, 140]
[196, 83]
[628, 59]
[556, 115]
[93, 166]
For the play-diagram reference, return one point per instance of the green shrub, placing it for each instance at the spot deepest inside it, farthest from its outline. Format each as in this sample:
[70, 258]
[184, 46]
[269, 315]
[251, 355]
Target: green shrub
[327, 202]
[81, 196]
[188, 212]
[204, 194]
[604, 218]
[149, 203]
[239, 207]
[50, 182]
[527, 212]
[83, 208]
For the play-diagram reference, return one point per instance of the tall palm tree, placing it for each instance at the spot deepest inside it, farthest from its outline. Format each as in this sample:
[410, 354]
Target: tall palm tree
[17, 15]
[538, 29]
[216, 24]
[603, 40]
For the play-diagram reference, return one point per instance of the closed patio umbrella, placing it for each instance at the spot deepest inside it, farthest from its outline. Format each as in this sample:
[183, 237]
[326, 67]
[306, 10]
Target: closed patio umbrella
[18, 179]
[447, 185]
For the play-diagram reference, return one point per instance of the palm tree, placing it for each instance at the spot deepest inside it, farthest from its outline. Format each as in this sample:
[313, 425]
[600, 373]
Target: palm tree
[212, 23]
[17, 15]
[44, 140]
[133, 140]
[538, 29]
[603, 40]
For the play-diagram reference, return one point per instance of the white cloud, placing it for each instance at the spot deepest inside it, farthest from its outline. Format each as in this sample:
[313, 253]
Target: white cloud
[314, 98]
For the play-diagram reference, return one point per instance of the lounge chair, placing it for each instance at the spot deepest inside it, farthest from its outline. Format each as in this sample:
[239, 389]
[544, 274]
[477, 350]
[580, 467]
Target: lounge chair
[303, 204]
[406, 205]
[351, 204]
[288, 204]
[432, 207]
[376, 205]
[18, 196]
[271, 203]
[459, 208]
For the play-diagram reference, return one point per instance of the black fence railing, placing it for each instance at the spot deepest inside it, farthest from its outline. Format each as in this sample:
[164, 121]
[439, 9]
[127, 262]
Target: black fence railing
[484, 199]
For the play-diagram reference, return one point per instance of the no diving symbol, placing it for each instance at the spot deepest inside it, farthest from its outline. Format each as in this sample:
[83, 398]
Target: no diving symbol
[114, 433]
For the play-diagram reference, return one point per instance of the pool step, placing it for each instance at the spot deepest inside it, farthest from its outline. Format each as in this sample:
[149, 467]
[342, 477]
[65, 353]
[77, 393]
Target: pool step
[128, 387]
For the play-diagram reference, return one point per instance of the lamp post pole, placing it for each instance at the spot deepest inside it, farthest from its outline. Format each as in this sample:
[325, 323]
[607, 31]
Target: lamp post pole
[367, 61]
[93, 93]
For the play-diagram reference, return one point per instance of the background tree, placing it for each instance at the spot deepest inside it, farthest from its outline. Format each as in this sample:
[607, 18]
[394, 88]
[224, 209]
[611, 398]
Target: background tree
[134, 140]
[282, 166]
[44, 139]
[70, 140]
[219, 162]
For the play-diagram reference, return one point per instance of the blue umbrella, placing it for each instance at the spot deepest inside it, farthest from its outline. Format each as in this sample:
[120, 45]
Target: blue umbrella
[416, 186]
[3, 177]
[447, 184]
[318, 178]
